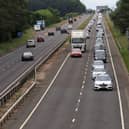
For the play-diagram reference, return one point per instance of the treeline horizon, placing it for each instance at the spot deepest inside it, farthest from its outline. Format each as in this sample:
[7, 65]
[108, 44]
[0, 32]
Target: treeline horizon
[17, 15]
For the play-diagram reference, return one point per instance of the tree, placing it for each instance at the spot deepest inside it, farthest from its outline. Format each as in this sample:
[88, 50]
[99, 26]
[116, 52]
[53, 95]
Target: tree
[14, 18]
[121, 15]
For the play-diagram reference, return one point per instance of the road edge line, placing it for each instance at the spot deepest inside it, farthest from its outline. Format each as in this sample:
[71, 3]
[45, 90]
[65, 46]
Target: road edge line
[43, 96]
[117, 83]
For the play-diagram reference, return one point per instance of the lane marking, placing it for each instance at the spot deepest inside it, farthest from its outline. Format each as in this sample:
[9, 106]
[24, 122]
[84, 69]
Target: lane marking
[73, 120]
[81, 93]
[42, 98]
[84, 82]
[83, 86]
[79, 101]
[76, 110]
[117, 83]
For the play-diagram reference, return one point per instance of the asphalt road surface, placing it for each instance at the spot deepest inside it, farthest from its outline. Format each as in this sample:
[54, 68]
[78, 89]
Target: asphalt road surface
[71, 103]
[11, 65]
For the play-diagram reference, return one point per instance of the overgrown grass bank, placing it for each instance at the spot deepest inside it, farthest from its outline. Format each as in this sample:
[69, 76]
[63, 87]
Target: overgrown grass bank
[121, 40]
[8, 46]
[85, 23]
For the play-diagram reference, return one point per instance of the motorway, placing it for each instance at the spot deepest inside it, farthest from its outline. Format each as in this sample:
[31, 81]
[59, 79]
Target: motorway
[11, 66]
[70, 101]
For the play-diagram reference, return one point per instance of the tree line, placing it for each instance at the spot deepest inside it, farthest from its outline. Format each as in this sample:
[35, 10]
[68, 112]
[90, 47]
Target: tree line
[63, 6]
[120, 15]
[18, 15]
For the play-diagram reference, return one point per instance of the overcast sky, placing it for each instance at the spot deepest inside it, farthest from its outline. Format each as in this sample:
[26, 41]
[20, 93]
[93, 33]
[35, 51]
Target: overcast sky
[93, 3]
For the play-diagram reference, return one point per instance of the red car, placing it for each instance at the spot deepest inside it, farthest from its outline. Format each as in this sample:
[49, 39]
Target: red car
[40, 39]
[76, 52]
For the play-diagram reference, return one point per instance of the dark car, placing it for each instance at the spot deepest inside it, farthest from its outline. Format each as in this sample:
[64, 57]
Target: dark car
[64, 31]
[40, 39]
[58, 28]
[50, 33]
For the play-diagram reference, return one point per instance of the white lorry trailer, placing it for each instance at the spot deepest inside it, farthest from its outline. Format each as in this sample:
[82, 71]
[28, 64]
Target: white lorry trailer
[78, 39]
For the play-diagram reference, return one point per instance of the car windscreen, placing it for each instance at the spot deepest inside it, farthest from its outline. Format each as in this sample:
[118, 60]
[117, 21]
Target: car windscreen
[77, 40]
[103, 78]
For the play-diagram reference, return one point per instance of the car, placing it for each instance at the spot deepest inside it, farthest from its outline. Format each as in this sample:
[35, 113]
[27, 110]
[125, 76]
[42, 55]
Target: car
[40, 39]
[50, 33]
[100, 55]
[75, 19]
[27, 56]
[63, 31]
[87, 35]
[99, 46]
[97, 64]
[103, 82]
[70, 27]
[30, 43]
[58, 28]
[99, 35]
[97, 71]
[76, 52]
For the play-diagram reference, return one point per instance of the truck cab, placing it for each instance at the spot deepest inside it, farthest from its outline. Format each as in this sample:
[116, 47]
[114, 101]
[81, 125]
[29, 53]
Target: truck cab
[78, 40]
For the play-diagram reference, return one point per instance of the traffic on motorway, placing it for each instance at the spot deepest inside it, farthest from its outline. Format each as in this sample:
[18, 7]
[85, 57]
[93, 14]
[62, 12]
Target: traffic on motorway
[73, 91]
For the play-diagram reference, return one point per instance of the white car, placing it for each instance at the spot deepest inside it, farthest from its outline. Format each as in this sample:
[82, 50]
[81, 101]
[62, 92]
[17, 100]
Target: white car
[98, 71]
[103, 81]
[76, 52]
[30, 43]
[98, 64]
[27, 56]
[70, 27]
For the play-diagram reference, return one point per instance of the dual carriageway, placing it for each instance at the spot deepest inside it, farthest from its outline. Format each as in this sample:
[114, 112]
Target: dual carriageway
[69, 101]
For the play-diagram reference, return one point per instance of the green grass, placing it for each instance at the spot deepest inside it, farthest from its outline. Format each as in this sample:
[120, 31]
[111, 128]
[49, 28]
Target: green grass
[121, 41]
[9, 46]
[45, 13]
[85, 23]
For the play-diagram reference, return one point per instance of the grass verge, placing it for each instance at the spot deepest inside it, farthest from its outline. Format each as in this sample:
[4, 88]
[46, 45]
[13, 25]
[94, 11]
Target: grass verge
[85, 23]
[9, 46]
[121, 41]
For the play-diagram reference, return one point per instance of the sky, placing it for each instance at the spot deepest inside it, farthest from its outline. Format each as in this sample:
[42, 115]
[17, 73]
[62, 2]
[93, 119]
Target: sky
[93, 3]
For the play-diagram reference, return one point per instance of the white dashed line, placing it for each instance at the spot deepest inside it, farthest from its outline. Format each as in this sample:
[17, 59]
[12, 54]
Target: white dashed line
[79, 101]
[73, 120]
[83, 86]
[76, 110]
[81, 93]
[84, 82]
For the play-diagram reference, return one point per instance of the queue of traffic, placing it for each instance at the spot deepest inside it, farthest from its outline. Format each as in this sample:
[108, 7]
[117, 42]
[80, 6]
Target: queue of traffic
[102, 79]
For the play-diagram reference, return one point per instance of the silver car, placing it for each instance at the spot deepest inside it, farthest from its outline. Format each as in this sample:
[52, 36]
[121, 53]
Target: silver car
[98, 71]
[100, 55]
[27, 56]
[97, 64]
[30, 43]
[103, 81]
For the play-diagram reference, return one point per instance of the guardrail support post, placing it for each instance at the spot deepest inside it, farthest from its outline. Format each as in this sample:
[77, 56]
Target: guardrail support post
[35, 71]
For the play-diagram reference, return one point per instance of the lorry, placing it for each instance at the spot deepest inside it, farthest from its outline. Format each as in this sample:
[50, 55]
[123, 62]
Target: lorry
[37, 27]
[78, 40]
[41, 23]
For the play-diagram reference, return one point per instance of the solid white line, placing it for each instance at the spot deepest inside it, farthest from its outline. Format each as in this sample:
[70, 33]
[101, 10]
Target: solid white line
[117, 84]
[41, 99]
